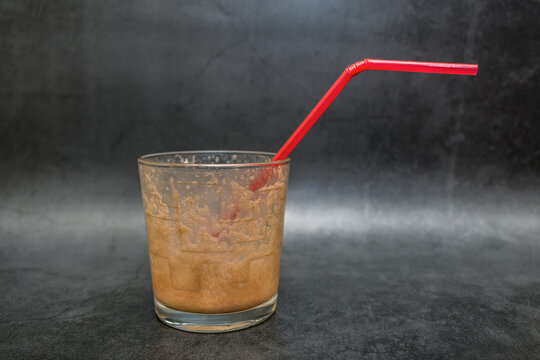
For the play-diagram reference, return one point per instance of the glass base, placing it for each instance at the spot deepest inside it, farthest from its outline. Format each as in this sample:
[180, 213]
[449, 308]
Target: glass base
[215, 323]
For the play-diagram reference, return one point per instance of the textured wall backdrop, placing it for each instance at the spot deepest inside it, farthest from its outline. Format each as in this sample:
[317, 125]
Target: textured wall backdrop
[101, 82]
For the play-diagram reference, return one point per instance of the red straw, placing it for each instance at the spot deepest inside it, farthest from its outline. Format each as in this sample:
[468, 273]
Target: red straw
[355, 69]
[322, 105]
[350, 71]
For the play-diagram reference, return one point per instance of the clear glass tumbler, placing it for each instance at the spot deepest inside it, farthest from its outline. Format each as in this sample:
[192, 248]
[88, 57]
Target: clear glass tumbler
[214, 222]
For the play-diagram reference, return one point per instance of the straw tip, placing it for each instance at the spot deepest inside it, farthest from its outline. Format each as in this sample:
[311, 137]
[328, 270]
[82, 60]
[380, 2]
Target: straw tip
[471, 69]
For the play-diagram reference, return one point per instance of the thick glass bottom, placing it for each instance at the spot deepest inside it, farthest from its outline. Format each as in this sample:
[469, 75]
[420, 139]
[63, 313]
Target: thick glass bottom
[215, 323]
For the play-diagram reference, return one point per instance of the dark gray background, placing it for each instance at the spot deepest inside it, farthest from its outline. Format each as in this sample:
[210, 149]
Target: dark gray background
[412, 224]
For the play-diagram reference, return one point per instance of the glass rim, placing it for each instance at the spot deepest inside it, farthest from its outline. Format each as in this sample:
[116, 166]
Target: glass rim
[146, 159]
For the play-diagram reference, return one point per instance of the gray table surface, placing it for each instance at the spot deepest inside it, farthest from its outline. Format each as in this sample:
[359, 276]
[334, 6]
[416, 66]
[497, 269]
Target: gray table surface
[361, 277]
